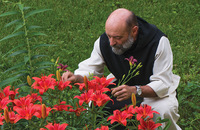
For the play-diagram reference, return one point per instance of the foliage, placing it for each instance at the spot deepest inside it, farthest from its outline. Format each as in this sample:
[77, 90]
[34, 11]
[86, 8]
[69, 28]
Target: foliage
[27, 64]
[75, 24]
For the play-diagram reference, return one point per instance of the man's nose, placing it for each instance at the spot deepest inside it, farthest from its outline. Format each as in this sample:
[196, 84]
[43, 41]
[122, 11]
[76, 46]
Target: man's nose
[112, 41]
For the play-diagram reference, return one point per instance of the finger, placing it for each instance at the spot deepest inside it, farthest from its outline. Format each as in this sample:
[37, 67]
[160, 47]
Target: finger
[116, 89]
[121, 97]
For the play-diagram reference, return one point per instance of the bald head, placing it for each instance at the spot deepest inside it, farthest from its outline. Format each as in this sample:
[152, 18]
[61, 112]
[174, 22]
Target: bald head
[122, 18]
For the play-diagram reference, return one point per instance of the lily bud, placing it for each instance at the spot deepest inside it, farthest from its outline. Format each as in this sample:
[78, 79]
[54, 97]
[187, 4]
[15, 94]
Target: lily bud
[86, 83]
[43, 111]
[6, 115]
[133, 99]
[58, 75]
[29, 80]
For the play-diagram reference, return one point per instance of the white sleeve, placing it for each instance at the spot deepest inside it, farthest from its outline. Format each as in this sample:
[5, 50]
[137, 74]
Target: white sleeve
[163, 81]
[94, 64]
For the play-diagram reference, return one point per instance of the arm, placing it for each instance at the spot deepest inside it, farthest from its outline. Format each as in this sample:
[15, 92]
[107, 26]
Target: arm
[160, 81]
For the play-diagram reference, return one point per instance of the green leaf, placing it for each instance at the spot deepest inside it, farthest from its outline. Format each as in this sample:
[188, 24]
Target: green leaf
[44, 63]
[33, 27]
[26, 8]
[18, 52]
[42, 45]
[21, 7]
[18, 27]
[40, 68]
[8, 81]
[35, 12]
[11, 23]
[38, 34]
[26, 59]
[20, 45]
[15, 67]
[37, 56]
[12, 35]
[9, 13]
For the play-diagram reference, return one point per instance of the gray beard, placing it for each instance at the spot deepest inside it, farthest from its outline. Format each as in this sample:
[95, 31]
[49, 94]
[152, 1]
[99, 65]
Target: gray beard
[120, 49]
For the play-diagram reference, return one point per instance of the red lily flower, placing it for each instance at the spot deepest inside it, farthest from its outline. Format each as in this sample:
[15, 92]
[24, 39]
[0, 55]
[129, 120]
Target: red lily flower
[34, 97]
[55, 126]
[130, 110]
[100, 99]
[62, 86]
[5, 92]
[22, 102]
[44, 83]
[62, 67]
[148, 125]
[119, 117]
[4, 102]
[1, 119]
[41, 111]
[145, 111]
[81, 86]
[102, 128]
[85, 97]
[13, 118]
[61, 106]
[100, 84]
[25, 113]
[78, 110]
[13, 93]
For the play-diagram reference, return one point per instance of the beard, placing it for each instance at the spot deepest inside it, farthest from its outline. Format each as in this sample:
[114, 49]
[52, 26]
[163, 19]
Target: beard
[120, 49]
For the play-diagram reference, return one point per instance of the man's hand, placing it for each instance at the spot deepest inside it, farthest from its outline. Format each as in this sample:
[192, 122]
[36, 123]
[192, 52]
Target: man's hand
[69, 76]
[123, 92]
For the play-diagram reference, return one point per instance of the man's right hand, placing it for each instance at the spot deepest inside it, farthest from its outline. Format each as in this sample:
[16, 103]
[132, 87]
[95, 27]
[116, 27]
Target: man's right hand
[69, 76]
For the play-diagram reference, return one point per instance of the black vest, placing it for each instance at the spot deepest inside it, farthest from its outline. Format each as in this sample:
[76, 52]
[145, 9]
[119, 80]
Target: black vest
[143, 50]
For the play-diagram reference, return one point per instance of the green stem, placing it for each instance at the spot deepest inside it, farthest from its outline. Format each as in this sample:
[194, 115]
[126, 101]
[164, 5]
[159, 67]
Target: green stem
[27, 41]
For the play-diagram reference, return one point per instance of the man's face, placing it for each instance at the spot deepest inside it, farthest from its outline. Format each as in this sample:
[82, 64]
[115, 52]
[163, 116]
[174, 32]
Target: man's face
[124, 46]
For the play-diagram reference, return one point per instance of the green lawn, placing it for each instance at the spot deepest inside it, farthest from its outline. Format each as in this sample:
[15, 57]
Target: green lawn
[74, 25]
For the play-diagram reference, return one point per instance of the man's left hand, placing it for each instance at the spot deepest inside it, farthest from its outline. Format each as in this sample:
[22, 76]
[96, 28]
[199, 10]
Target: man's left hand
[123, 92]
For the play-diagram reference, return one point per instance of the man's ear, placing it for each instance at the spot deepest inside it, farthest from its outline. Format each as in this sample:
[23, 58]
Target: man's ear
[134, 31]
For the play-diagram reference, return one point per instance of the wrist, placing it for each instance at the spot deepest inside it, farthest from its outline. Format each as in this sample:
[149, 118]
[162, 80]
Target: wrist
[138, 90]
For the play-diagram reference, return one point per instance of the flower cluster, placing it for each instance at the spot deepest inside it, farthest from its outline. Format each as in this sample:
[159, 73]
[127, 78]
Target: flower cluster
[94, 91]
[144, 115]
[55, 104]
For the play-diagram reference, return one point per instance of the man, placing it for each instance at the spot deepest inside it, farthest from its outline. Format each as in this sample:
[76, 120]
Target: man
[127, 35]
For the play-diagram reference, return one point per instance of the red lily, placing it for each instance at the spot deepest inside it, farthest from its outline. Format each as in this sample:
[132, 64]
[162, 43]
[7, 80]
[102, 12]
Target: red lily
[44, 83]
[62, 86]
[81, 86]
[85, 97]
[143, 112]
[4, 102]
[34, 97]
[61, 106]
[100, 99]
[13, 118]
[148, 125]
[55, 126]
[5, 92]
[119, 117]
[41, 112]
[102, 128]
[25, 113]
[1, 119]
[22, 102]
[78, 110]
[13, 93]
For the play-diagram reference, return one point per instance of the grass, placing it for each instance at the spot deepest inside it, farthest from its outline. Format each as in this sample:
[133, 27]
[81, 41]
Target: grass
[74, 25]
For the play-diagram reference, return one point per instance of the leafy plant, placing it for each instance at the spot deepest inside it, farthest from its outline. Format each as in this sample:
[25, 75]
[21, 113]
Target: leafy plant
[29, 63]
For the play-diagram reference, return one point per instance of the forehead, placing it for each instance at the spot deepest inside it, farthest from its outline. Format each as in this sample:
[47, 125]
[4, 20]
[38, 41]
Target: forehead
[116, 29]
